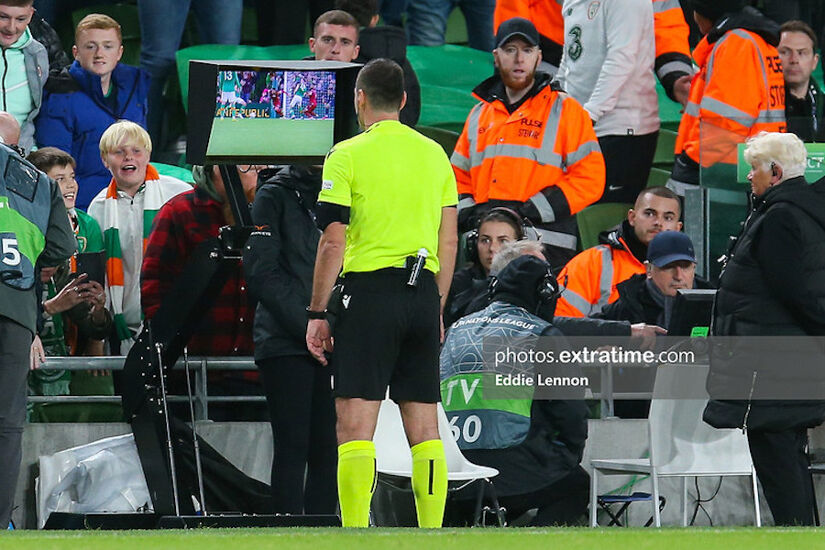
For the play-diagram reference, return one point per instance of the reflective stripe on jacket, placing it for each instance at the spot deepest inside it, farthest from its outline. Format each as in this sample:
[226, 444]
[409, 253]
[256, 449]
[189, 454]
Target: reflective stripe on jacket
[545, 152]
[590, 279]
[738, 92]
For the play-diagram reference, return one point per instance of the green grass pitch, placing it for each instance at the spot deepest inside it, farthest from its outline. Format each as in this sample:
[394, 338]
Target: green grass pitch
[279, 136]
[413, 539]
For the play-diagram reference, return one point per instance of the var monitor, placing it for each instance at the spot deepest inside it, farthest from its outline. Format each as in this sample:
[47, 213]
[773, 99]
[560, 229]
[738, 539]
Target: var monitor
[272, 112]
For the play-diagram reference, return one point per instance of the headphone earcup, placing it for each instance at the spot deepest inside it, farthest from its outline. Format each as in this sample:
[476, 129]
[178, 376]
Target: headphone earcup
[471, 247]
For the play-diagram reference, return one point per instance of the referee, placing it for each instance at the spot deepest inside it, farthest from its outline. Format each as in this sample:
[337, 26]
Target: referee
[387, 202]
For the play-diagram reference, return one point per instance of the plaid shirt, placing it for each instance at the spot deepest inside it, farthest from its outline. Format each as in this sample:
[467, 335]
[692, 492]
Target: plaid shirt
[182, 224]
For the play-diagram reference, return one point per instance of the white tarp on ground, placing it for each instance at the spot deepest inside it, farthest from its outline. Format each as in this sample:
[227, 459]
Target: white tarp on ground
[102, 476]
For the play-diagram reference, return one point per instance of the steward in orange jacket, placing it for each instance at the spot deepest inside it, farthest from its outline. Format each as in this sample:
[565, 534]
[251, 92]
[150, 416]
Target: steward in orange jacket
[738, 92]
[672, 49]
[589, 280]
[528, 146]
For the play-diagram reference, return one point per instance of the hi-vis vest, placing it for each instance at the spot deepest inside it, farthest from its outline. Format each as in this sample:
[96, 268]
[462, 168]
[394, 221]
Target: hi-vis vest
[25, 206]
[738, 92]
[469, 368]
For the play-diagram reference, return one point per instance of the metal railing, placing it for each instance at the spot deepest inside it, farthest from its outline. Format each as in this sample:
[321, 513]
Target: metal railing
[201, 398]
[197, 365]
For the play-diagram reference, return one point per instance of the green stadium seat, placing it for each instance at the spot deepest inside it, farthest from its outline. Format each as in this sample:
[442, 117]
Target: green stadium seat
[445, 138]
[658, 177]
[597, 218]
[127, 16]
[665, 145]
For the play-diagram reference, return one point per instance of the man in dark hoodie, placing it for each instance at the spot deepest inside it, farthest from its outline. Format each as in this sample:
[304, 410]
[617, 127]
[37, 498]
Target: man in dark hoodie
[738, 92]
[278, 261]
[773, 284]
[536, 445]
[389, 42]
[528, 146]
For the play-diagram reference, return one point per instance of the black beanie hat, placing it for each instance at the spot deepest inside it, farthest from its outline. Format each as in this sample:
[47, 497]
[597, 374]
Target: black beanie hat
[518, 283]
[714, 9]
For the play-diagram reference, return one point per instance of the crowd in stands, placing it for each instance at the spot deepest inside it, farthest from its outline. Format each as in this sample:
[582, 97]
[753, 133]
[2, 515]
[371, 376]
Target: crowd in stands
[568, 119]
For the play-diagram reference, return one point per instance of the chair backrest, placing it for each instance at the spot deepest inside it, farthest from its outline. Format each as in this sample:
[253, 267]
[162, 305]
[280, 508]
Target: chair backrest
[392, 451]
[597, 218]
[680, 441]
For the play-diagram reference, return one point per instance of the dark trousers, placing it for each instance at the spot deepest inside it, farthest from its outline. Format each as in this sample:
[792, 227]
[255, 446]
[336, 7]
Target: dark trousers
[561, 503]
[299, 397]
[285, 21]
[782, 468]
[15, 345]
[627, 160]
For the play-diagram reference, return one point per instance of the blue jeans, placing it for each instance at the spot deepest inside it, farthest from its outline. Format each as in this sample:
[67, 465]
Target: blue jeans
[427, 22]
[161, 28]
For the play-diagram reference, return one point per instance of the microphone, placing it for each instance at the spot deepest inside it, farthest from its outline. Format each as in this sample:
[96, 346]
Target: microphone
[420, 260]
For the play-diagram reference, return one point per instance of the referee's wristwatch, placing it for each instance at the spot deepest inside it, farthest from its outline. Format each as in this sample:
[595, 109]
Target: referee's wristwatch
[312, 314]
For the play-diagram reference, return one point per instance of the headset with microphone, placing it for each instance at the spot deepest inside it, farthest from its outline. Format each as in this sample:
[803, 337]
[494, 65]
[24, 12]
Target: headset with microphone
[523, 226]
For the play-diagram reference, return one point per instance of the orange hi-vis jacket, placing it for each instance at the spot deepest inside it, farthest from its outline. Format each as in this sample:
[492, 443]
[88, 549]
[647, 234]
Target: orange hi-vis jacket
[545, 15]
[738, 92]
[672, 48]
[544, 155]
[589, 280]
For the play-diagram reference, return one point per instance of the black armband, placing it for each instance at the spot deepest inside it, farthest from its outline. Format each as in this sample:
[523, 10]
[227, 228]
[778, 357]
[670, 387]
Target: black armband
[327, 213]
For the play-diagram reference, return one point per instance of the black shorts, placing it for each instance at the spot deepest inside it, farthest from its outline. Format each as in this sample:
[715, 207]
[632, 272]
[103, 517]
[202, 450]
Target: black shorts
[387, 333]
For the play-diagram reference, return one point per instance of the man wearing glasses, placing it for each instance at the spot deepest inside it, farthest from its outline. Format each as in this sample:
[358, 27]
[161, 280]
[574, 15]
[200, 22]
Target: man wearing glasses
[527, 146]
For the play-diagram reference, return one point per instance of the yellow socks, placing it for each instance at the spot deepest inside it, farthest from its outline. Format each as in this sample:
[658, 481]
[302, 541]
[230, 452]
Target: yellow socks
[429, 482]
[356, 482]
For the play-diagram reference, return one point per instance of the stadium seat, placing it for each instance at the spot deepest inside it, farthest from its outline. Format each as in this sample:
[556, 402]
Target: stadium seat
[658, 177]
[663, 158]
[394, 461]
[597, 218]
[681, 444]
[445, 138]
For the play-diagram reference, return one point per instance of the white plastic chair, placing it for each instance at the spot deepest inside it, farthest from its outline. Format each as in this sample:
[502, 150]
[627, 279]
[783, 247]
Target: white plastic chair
[681, 445]
[393, 457]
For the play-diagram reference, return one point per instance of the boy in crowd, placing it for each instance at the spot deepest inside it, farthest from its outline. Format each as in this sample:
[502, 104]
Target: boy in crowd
[24, 67]
[125, 210]
[100, 92]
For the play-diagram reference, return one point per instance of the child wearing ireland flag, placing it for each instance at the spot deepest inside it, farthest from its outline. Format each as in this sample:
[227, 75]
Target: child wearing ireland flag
[125, 210]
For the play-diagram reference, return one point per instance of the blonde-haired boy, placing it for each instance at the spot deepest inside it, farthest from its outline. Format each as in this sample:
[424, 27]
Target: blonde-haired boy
[125, 210]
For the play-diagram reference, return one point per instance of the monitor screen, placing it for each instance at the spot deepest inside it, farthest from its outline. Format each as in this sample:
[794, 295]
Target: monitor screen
[692, 311]
[269, 112]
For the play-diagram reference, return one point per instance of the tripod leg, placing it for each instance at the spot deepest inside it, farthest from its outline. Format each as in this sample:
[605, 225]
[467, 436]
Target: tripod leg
[198, 467]
[172, 470]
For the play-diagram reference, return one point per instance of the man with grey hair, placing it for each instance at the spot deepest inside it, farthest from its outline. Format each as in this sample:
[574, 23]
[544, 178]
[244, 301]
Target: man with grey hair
[513, 250]
[773, 284]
